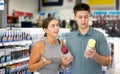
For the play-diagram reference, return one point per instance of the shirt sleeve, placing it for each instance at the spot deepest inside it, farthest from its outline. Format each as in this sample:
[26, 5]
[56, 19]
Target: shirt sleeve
[103, 47]
[68, 43]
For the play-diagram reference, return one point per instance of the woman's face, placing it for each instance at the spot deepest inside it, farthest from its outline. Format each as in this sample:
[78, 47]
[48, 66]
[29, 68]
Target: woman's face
[53, 28]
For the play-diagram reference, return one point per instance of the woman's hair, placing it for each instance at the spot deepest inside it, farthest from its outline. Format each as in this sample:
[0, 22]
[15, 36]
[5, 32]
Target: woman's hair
[81, 7]
[46, 22]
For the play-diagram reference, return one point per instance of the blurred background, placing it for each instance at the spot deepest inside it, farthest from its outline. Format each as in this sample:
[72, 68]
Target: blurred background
[21, 21]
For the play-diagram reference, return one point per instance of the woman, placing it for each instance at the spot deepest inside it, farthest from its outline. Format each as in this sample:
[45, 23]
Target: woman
[46, 56]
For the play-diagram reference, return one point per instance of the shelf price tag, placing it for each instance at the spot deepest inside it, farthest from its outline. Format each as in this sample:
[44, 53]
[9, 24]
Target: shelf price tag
[1, 44]
[6, 44]
[1, 65]
[4, 64]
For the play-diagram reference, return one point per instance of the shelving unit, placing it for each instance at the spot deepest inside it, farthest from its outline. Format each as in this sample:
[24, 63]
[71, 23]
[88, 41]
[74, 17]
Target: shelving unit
[14, 51]
[14, 61]
[16, 43]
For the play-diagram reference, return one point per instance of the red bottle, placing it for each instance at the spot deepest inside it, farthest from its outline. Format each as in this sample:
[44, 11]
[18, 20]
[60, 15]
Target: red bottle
[64, 49]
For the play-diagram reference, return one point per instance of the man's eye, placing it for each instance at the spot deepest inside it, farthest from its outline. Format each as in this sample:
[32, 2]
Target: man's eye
[57, 25]
[80, 17]
[86, 16]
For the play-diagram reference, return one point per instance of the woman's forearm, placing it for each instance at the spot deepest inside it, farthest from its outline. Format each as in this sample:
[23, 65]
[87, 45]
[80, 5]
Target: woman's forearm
[36, 66]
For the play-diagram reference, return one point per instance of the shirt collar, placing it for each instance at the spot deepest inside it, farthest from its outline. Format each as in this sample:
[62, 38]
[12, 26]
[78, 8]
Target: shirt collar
[88, 33]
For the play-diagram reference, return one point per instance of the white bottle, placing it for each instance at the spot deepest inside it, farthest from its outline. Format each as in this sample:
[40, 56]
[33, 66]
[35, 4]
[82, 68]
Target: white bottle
[90, 46]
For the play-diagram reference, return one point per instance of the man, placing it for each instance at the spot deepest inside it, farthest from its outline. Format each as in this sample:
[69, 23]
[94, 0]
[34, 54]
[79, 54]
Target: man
[77, 42]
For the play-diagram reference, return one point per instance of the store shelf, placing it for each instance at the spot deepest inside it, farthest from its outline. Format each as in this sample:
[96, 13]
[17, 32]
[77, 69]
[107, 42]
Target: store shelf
[14, 61]
[16, 43]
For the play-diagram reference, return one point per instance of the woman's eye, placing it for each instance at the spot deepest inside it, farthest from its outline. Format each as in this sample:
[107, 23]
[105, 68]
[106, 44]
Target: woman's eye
[53, 25]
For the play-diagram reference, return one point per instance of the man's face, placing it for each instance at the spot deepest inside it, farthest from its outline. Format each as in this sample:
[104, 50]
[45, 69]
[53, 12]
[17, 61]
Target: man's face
[82, 19]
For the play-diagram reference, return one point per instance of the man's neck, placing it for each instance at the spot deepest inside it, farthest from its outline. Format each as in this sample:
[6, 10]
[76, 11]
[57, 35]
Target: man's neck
[83, 31]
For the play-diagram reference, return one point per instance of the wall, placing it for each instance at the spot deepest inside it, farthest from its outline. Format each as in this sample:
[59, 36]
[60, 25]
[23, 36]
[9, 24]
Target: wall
[103, 6]
[23, 5]
[65, 11]
[66, 5]
[3, 16]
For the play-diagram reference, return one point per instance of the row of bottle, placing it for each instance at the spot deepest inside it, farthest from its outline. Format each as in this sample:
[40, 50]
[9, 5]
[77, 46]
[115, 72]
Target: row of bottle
[19, 68]
[11, 53]
[9, 35]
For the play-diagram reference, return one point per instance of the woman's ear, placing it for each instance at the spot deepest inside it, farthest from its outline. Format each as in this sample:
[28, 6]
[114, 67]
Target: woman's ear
[45, 30]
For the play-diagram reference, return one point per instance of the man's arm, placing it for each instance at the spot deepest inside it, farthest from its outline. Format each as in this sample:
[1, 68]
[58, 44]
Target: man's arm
[103, 60]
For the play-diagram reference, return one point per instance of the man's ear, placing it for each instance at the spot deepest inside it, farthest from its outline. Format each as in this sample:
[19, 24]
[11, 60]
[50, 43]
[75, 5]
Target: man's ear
[74, 17]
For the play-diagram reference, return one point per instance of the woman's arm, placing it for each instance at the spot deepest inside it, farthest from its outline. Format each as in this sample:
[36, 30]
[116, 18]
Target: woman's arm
[34, 63]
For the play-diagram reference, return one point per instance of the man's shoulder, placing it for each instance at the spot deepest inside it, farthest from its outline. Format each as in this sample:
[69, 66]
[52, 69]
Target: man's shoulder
[71, 34]
[97, 32]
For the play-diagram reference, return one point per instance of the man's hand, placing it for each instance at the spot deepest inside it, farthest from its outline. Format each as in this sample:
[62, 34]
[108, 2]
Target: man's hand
[90, 53]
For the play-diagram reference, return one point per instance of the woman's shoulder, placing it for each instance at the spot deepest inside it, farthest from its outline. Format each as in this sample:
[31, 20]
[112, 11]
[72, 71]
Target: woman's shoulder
[39, 44]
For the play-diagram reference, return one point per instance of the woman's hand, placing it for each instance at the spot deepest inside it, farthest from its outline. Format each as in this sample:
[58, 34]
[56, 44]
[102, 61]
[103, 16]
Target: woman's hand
[66, 60]
[45, 61]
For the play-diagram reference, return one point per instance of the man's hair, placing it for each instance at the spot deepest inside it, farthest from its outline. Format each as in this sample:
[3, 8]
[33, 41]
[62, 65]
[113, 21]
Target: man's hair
[81, 7]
